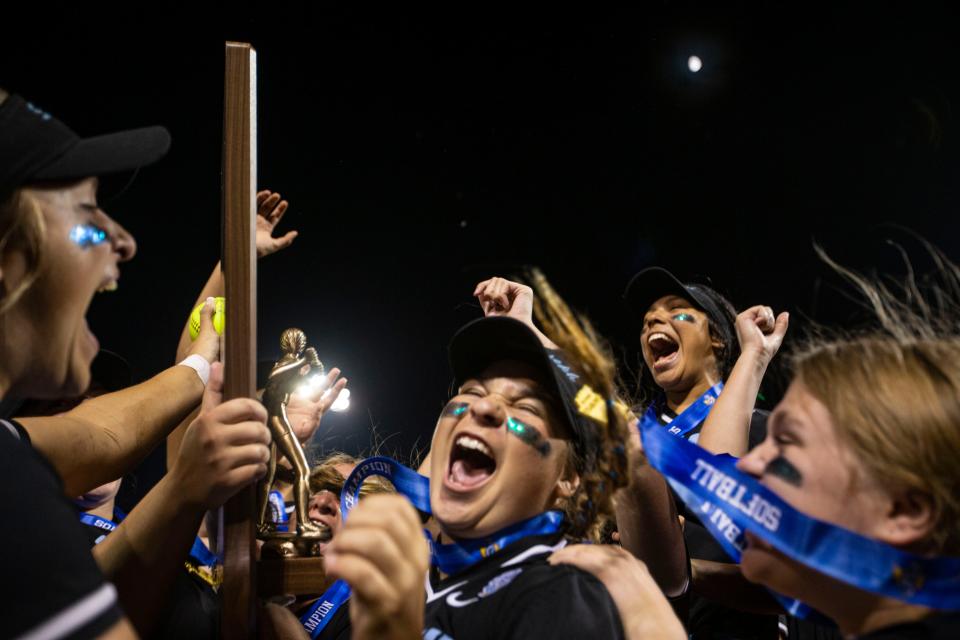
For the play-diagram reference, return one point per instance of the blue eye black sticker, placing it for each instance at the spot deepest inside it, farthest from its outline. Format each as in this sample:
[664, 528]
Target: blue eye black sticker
[684, 317]
[455, 409]
[87, 235]
[529, 436]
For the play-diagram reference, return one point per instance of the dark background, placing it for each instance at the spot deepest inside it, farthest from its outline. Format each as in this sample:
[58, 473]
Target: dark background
[422, 153]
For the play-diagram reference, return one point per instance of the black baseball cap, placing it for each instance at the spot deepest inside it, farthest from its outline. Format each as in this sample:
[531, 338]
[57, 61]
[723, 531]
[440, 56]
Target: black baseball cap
[36, 147]
[653, 283]
[484, 341]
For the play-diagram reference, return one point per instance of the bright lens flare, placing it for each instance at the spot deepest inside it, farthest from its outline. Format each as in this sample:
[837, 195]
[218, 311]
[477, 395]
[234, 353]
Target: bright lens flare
[311, 385]
[342, 403]
[316, 383]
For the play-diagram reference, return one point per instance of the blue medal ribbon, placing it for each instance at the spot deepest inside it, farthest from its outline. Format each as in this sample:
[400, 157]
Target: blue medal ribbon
[198, 552]
[450, 558]
[679, 427]
[320, 614]
[96, 521]
[456, 557]
[730, 502]
[408, 483]
[102, 523]
[691, 416]
[202, 555]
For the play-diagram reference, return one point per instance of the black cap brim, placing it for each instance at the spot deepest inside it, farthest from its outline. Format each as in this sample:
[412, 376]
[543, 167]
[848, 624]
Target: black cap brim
[654, 283]
[486, 341]
[108, 154]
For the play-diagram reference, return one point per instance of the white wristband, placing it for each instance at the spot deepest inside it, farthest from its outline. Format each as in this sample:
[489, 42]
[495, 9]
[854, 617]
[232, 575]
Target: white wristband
[200, 365]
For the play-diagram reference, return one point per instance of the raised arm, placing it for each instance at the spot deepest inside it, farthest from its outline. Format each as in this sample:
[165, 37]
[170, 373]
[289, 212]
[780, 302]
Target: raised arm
[502, 297]
[270, 210]
[727, 427]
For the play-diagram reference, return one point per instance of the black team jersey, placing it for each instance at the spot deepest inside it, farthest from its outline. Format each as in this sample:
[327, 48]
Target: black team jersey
[516, 594]
[53, 586]
[513, 594]
[192, 611]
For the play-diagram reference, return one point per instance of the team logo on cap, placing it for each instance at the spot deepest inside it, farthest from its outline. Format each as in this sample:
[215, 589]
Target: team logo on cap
[40, 112]
[564, 368]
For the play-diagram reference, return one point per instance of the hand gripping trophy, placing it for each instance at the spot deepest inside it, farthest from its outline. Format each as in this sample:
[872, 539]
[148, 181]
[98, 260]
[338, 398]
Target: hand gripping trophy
[290, 371]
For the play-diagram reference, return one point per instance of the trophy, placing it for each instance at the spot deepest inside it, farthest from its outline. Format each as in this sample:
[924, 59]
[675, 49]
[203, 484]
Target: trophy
[296, 363]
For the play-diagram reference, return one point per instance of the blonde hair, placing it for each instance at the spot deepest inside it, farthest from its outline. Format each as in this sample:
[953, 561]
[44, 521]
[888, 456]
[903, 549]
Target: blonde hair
[324, 475]
[591, 505]
[894, 392]
[21, 229]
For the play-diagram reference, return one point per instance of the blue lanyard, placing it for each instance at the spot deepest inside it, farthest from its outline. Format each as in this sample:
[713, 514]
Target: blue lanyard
[731, 502]
[408, 483]
[96, 521]
[454, 558]
[680, 426]
[450, 558]
[691, 416]
[199, 552]
[323, 609]
[202, 555]
[102, 523]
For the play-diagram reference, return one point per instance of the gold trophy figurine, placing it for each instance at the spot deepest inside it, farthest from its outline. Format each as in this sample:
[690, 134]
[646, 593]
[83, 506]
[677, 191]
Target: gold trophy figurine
[289, 372]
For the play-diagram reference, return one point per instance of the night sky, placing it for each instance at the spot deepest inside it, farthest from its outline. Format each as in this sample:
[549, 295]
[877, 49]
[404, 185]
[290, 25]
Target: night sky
[423, 153]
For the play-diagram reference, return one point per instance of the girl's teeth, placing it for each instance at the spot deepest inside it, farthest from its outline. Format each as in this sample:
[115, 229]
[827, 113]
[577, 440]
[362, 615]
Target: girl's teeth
[469, 443]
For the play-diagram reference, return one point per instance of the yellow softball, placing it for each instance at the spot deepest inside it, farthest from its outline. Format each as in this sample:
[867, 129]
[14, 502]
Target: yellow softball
[218, 318]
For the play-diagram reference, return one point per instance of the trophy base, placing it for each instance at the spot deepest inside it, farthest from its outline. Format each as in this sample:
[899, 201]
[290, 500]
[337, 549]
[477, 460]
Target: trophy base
[286, 544]
[290, 564]
[296, 576]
